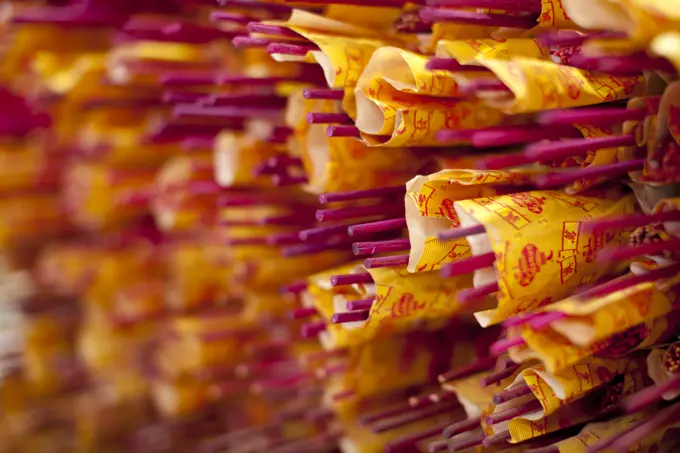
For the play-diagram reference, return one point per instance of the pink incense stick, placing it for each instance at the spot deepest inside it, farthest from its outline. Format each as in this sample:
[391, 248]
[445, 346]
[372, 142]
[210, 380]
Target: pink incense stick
[307, 249]
[351, 279]
[273, 30]
[524, 133]
[655, 422]
[516, 391]
[294, 288]
[650, 395]
[361, 304]
[502, 161]
[468, 265]
[442, 396]
[515, 6]
[198, 143]
[496, 439]
[323, 93]
[509, 414]
[622, 64]
[502, 346]
[437, 446]
[287, 180]
[497, 376]
[193, 111]
[443, 15]
[343, 131]
[451, 64]
[322, 232]
[283, 239]
[569, 38]
[186, 78]
[376, 227]
[312, 329]
[624, 253]
[330, 215]
[620, 284]
[471, 295]
[399, 445]
[227, 16]
[385, 413]
[596, 116]
[372, 248]
[475, 86]
[481, 364]
[246, 42]
[413, 417]
[466, 442]
[564, 149]
[329, 118]
[291, 49]
[556, 180]
[457, 233]
[350, 316]
[541, 322]
[245, 241]
[332, 197]
[280, 383]
[461, 427]
[252, 100]
[270, 7]
[631, 221]
[419, 402]
[386, 261]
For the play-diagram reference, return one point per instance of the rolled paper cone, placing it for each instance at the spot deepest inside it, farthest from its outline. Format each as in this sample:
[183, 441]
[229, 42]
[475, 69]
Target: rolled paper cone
[322, 232]
[287, 180]
[559, 150]
[516, 391]
[451, 64]
[329, 118]
[541, 322]
[290, 49]
[371, 248]
[556, 180]
[461, 427]
[502, 161]
[362, 304]
[509, 414]
[498, 376]
[626, 282]
[343, 131]
[397, 446]
[592, 116]
[351, 279]
[466, 442]
[502, 346]
[468, 265]
[657, 421]
[443, 15]
[625, 253]
[294, 288]
[377, 227]
[479, 365]
[386, 261]
[525, 133]
[332, 197]
[496, 439]
[323, 93]
[436, 446]
[515, 6]
[413, 417]
[650, 395]
[631, 221]
[273, 30]
[478, 85]
[312, 329]
[472, 295]
[227, 16]
[385, 413]
[457, 233]
[330, 215]
[350, 316]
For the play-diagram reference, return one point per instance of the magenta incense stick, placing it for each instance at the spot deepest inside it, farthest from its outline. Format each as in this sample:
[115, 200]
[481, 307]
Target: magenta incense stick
[290, 49]
[343, 131]
[509, 414]
[496, 439]
[413, 417]
[595, 116]
[457, 233]
[461, 427]
[351, 279]
[502, 346]
[323, 93]
[478, 366]
[329, 118]
[287, 180]
[516, 391]
[228, 16]
[443, 15]
[626, 282]
[317, 233]
[451, 64]
[468, 265]
[466, 442]
[556, 180]
[372, 248]
[650, 395]
[327, 215]
[386, 261]
[332, 197]
[497, 376]
[312, 329]
[515, 6]
[294, 288]
[559, 150]
[623, 253]
[397, 446]
[362, 304]
[377, 227]
[631, 221]
[541, 322]
[350, 316]
[476, 294]
[273, 30]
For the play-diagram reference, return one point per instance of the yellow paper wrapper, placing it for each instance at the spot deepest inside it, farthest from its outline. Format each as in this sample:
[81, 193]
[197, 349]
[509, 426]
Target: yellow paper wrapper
[469, 51]
[531, 275]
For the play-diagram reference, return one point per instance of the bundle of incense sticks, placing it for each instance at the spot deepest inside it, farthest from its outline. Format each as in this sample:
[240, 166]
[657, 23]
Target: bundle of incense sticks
[245, 226]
